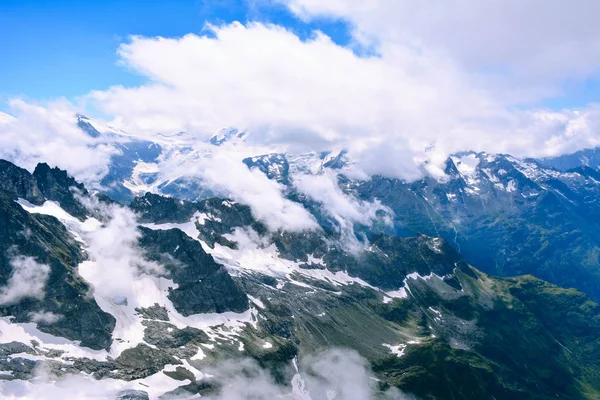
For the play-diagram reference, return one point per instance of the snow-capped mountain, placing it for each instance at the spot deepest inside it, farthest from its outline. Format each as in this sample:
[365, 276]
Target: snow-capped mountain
[507, 216]
[227, 136]
[167, 298]
[148, 284]
[583, 158]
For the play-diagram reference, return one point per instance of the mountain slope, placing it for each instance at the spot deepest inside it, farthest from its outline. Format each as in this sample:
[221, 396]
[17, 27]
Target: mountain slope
[182, 288]
[506, 216]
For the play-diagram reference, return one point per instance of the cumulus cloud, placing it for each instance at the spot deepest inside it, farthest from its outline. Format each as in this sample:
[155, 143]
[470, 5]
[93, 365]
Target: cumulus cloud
[27, 280]
[400, 112]
[345, 375]
[47, 386]
[345, 209]
[529, 43]
[113, 249]
[324, 189]
[429, 88]
[336, 374]
[286, 90]
[341, 373]
[454, 76]
[252, 187]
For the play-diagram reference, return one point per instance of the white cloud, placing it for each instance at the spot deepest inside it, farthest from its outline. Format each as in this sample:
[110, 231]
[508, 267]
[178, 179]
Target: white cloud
[116, 259]
[49, 133]
[27, 280]
[44, 317]
[315, 95]
[427, 93]
[252, 187]
[345, 209]
[337, 374]
[342, 374]
[536, 42]
[221, 169]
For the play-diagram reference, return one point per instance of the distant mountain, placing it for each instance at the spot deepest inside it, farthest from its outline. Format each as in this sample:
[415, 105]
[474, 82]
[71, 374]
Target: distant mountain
[155, 296]
[583, 158]
[506, 216]
[229, 135]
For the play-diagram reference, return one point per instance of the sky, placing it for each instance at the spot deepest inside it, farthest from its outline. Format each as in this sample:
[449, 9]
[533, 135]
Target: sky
[400, 84]
[69, 47]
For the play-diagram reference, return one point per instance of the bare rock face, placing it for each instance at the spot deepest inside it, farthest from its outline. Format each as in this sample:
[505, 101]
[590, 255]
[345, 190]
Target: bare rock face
[132, 395]
[203, 285]
[20, 182]
[43, 239]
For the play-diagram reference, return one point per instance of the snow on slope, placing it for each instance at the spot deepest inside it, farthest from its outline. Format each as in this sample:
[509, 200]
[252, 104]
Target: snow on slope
[252, 256]
[118, 289]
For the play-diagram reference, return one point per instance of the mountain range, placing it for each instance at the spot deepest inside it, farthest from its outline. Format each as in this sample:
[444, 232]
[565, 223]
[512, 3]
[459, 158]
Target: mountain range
[481, 284]
[506, 216]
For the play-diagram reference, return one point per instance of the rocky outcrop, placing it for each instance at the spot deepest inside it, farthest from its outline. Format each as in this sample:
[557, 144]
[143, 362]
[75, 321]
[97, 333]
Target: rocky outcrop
[43, 242]
[62, 307]
[56, 185]
[19, 182]
[132, 395]
[142, 361]
[160, 209]
[203, 285]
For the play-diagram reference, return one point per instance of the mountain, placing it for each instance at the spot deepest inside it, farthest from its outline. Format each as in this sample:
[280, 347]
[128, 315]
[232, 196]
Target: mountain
[172, 298]
[228, 136]
[506, 216]
[583, 158]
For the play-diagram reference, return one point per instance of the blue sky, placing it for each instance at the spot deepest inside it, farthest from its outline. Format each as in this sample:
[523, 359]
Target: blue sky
[68, 47]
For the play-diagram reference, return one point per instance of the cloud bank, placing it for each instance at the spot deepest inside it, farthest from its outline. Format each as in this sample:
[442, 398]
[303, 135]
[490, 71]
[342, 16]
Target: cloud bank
[387, 109]
[531, 47]
[222, 170]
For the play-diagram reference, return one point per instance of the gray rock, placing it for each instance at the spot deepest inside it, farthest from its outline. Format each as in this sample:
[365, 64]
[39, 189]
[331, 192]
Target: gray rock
[15, 347]
[132, 395]
[155, 312]
[22, 368]
[142, 361]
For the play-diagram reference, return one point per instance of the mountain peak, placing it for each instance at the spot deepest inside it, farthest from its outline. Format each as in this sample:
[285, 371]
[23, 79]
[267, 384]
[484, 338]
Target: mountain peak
[228, 135]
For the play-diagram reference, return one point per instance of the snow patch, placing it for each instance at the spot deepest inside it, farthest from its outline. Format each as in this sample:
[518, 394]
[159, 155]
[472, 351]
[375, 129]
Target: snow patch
[256, 301]
[28, 332]
[189, 228]
[398, 350]
[511, 186]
